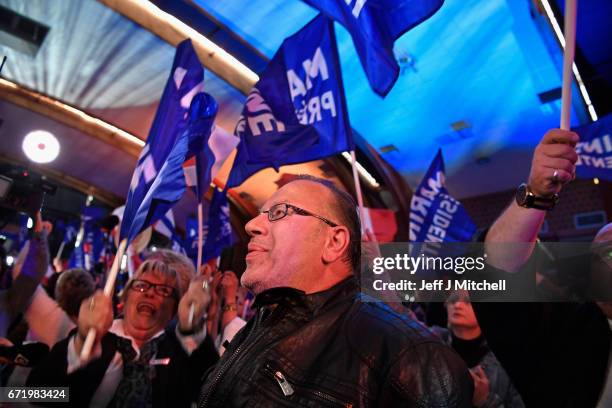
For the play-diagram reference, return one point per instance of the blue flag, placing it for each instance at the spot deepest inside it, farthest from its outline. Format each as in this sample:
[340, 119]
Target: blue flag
[69, 230]
[204, 110]
[595, 149]
[435, 216]
[183, 119]
[167, 227]
[89, 247]
[374, 26]
[191, 238]
[297, 111]
[218, 227]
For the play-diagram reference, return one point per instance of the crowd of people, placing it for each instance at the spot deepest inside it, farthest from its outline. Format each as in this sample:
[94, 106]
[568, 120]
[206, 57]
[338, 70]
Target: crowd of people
[177, 337]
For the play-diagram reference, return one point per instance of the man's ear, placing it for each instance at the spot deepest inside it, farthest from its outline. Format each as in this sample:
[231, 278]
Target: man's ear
[336, 244]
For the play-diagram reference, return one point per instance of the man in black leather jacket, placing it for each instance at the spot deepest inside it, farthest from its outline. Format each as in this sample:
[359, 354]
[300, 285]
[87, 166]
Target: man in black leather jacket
[315, 341]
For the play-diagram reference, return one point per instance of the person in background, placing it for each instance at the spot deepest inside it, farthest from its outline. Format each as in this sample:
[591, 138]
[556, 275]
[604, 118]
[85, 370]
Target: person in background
[557, 354]
[27, 273]
[141, 359]
[492, 387]
[231, 323]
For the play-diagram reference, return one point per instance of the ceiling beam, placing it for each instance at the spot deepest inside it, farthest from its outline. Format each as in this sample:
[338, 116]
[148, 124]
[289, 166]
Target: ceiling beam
[70, 116]
[173, 31]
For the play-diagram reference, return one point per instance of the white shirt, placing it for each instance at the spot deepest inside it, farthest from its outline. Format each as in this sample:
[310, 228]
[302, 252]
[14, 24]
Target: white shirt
[228, 333]
[106, 390]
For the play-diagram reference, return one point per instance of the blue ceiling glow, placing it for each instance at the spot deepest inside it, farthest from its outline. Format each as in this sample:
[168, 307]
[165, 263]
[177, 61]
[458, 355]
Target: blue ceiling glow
[483, 62]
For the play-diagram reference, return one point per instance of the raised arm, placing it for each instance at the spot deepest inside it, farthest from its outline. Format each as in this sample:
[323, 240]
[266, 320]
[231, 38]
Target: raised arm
[553, 166]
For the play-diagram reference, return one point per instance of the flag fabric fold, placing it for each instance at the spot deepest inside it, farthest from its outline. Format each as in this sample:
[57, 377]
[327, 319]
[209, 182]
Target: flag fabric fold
[218, 227]
[180, 130]
[374, 25]
[595, 149]
[435, 216]
[297, 110]
[167, 227]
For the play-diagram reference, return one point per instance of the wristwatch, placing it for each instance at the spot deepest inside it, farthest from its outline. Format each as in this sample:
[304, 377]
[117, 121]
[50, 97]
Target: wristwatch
[526, 198]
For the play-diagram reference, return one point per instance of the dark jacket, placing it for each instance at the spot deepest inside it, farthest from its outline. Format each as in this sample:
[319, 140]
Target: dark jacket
[555, 353]
[335, 348]
[174, 385]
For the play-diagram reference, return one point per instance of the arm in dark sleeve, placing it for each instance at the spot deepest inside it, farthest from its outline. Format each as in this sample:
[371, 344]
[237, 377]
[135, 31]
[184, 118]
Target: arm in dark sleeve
[83, 383]
[203, 358]
[511, 328]
[33, 269]
[428, 375]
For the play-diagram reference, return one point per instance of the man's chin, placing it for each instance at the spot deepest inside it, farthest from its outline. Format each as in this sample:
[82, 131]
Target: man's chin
[250, 281]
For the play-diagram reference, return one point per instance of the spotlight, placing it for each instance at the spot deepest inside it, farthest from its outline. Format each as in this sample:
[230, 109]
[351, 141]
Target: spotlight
[10, 260]
[41, 146]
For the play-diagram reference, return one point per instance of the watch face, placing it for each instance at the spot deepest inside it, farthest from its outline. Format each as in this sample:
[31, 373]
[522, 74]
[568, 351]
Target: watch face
[521, 194]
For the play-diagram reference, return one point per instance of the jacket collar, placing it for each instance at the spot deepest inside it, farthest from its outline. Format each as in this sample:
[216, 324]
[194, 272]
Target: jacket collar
[312, 303]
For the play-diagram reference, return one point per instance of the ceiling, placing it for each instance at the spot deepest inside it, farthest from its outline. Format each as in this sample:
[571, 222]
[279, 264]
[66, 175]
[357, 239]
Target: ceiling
[477, 65]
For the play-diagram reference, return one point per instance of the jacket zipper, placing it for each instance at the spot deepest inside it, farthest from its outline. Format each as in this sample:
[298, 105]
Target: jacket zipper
[284, 384]
[234, 357]
[288, 390]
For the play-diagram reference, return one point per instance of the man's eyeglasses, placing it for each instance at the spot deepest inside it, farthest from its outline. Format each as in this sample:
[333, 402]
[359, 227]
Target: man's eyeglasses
[280, 211]
[143, 286]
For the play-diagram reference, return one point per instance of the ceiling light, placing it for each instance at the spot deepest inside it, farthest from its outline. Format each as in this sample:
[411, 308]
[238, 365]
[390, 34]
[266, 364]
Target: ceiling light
[557, 30]
[41, 146]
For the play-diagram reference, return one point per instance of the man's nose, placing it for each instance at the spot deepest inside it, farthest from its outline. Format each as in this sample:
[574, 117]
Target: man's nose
[257, 225]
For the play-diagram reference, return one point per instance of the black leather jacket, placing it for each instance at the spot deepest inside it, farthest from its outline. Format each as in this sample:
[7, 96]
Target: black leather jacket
[331, 349]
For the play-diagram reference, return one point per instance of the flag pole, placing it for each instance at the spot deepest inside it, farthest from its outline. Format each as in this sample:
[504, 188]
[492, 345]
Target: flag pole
[199, 258]
[358, 191]
[60, 251]
[200, 237]
[108, 291]
[568, 62]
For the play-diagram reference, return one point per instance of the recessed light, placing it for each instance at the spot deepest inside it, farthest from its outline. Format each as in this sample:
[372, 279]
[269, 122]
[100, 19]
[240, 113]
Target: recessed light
[41, 146]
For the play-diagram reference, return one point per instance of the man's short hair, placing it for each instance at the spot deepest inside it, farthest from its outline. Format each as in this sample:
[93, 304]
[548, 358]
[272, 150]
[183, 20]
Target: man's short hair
[346, 210]
[72, 287]
[183, 266]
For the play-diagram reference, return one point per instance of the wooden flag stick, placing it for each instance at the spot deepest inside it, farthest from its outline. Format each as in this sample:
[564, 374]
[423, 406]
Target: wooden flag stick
[60, 251]
[108, 291]
[568, 62]
[358, 191]
[200, 237]
[199, 258]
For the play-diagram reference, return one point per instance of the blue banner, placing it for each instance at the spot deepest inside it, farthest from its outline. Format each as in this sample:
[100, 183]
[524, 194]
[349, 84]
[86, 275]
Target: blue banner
[167, 227]
[204, 109]
[177, 134]
[374, 26]
[191, 238]
[218, 227]
[89, 249]
[595, 149]
[435, 216]
[297, 111]
[68, 230]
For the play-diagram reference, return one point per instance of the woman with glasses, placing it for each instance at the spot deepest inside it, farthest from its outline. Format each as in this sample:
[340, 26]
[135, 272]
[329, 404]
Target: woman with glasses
[145, 358]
